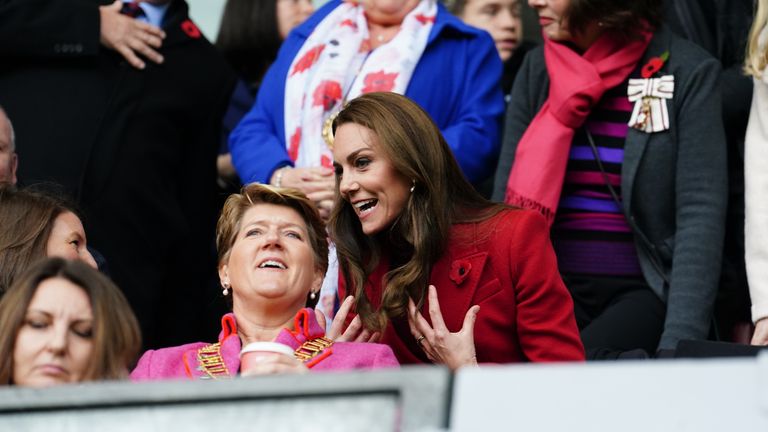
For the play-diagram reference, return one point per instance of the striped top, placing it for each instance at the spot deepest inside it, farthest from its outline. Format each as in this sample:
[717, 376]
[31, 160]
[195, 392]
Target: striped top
[590, 233]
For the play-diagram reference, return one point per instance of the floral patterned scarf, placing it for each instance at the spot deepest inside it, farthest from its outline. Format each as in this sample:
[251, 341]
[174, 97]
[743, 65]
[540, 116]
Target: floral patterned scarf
[336, 64]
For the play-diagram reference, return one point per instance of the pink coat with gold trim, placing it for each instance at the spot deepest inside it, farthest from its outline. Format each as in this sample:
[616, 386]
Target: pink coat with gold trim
[205, 361]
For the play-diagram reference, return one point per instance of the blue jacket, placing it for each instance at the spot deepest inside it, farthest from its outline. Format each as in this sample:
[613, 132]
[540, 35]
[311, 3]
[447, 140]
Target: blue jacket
[456, 82]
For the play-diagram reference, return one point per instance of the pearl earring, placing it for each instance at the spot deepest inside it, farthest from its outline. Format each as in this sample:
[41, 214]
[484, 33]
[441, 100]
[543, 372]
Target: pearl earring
[225, 291]
[312, 295]
[413, 186]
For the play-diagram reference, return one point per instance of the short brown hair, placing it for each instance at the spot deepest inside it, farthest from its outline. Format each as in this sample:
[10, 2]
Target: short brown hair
[255, 193]
[116, 334]
[27, 217]
[622, 17]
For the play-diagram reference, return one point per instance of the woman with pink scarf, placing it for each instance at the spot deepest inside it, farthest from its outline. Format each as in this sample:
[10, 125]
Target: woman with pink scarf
[614, 133]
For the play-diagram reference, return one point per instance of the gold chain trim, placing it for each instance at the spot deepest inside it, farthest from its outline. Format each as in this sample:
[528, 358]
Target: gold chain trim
[312, 348]
[210, 361]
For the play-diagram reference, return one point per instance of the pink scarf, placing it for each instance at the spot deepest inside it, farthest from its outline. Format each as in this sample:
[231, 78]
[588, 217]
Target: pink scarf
[576, 84]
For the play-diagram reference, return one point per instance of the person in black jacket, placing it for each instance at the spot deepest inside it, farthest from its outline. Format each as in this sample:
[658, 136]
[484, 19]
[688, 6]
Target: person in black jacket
[125, 115]
[721, 27]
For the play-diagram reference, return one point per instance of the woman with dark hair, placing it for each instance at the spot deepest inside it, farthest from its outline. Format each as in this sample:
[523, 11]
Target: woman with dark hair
[250, 34]
[614, 133]
[36, 225]
[64, 322]
[409, 228]
[273, 254]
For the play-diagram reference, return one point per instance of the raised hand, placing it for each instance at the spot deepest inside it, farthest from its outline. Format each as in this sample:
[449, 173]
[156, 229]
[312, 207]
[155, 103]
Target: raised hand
[439, 344]
[355, 331]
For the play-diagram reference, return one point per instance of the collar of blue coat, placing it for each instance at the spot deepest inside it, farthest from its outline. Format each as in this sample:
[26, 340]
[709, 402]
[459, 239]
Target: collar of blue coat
[153, 13]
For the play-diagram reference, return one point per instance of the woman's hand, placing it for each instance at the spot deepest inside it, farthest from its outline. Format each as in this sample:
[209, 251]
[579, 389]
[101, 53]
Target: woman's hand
[760, 336]
[441, 346]
[269, 363]
[354, 332]
[317, 183]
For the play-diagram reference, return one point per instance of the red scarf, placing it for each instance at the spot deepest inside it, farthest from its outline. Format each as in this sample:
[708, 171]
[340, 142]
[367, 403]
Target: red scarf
[576, 84]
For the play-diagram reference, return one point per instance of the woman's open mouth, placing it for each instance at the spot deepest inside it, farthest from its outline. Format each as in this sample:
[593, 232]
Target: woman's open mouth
[364, 207]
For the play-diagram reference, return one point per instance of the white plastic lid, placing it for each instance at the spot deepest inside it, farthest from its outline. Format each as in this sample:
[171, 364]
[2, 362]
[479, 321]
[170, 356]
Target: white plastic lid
[267, 347]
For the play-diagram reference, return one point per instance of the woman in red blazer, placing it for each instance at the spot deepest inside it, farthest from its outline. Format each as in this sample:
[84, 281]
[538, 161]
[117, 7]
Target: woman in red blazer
[410, 229]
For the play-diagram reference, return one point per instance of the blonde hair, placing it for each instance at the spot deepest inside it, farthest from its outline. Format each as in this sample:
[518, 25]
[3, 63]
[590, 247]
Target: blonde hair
[757, 56]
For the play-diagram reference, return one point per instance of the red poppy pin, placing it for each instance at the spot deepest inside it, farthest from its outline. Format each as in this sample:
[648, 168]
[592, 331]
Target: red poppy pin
[293, 149]
[379, 82]
[326, 94]
[654, 65]
[649, 94]
[308, 59]
[191, 29]
[459, 271]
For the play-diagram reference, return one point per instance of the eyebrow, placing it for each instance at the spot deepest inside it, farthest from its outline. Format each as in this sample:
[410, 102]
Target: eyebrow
[74, 235]
[281, 225]
[354, 154]
[50, 315]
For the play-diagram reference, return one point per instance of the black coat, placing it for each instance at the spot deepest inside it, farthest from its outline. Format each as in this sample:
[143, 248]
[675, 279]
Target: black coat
[136, 148]
[722, 27]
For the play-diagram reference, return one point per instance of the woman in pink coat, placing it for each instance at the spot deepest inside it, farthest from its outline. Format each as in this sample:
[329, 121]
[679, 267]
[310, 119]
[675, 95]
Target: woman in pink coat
[273, 254]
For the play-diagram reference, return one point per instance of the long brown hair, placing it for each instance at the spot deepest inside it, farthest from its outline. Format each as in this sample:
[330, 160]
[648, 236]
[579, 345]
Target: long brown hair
[441, 197]
[27, 217]
[116, 335]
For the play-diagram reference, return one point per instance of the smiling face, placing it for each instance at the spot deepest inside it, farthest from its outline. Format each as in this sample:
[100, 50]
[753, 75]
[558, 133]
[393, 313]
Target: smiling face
[67, 239]
[367, 179]
[54, 343]
[271, 263]
[500, 18]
